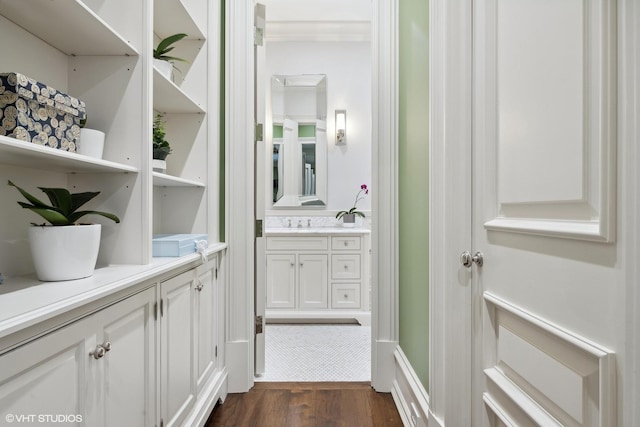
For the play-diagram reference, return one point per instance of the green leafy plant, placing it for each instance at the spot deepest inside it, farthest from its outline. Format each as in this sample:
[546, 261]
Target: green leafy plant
[359, 196]
[64, 206]
[161, 147]
[164, 47]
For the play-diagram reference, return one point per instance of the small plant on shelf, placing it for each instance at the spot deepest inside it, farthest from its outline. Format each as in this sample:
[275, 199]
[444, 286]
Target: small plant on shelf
[67, 249]
[64, 206]
[161, 147]
[349, 216]
[165, 46]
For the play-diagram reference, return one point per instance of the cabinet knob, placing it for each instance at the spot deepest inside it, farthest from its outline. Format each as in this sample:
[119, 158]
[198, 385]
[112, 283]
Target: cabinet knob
[99, 352]
[292, 264]
[199, 286]
[301, 264]
[346, 267]
[346, 296]
[345, 243]
[107, 346]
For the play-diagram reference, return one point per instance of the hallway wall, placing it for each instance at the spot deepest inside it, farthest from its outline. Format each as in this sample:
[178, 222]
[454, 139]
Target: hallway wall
[414, 185]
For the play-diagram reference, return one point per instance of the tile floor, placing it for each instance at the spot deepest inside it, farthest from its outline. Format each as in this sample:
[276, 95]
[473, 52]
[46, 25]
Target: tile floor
[317, 353]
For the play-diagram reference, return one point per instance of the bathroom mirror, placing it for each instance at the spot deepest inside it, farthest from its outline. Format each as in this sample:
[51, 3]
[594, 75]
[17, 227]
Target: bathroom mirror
[299, 140]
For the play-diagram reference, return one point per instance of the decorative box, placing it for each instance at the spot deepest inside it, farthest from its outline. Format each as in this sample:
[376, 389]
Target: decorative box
[35, 112]
[176, 244]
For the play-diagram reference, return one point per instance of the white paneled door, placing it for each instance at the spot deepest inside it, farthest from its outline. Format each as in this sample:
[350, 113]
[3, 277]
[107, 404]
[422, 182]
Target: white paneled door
[546, 308]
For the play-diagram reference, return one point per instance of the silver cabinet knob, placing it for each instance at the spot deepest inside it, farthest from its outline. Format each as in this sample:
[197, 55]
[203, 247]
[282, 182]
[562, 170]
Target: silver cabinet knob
[199, 286]
[467, 259]
[99, 352]
[346, 296]
[107, 346]
[345, 243]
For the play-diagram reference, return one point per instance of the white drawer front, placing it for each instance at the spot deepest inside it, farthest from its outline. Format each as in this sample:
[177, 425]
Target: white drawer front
[345, 295]
[297, 243]
[345, 243]
[345, 266]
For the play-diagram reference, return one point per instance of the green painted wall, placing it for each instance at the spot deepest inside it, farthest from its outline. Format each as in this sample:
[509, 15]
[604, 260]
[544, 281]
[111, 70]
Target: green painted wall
[414, 185]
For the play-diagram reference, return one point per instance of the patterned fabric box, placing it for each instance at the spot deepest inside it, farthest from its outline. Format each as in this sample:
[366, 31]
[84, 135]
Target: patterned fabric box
[35, 112]
[176, 244]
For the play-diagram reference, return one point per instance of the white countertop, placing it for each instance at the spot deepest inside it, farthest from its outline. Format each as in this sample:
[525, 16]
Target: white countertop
[25, 301]
[297, 231]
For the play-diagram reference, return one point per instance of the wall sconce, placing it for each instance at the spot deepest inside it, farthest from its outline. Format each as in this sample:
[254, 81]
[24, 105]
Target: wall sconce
[341, 127]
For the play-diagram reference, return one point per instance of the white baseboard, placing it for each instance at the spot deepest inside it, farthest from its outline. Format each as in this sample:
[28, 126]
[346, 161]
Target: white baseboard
[382, 366]
[238, 362]
[410, 396]
[215, 390]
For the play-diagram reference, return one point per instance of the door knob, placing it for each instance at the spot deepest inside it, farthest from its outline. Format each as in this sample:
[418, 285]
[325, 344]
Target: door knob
[467, 259]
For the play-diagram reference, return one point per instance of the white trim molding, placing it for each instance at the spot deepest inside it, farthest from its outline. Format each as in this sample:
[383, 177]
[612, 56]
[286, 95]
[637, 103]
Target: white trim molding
[410, 396]
[384, 237]
[545, 374]
[450, 210]
[239, 193]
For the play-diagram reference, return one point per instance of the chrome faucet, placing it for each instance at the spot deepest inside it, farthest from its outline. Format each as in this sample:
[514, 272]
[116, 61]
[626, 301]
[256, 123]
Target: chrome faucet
[299, 223]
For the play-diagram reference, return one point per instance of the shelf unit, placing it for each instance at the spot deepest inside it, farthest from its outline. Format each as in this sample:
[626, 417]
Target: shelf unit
[93, 51]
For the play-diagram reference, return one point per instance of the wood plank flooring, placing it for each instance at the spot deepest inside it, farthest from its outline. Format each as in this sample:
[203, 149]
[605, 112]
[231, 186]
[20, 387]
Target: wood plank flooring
[307, 404]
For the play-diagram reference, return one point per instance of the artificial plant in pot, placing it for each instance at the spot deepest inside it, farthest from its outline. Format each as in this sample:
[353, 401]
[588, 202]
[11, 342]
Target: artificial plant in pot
[161, 60]
[161, 147]
[349, 217]
[64, 249]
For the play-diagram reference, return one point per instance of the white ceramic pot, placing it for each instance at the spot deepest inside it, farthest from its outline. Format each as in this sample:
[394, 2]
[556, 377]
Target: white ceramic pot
[164, 67]
[64, 253]
[91, 143]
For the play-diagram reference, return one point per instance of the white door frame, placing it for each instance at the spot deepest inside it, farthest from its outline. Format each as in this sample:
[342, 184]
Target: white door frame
[240, 189]
[451, 301]
[450, 211]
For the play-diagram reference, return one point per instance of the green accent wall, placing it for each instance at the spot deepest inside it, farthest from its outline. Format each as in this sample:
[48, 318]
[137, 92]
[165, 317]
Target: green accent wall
[306, 131]
[414, 185]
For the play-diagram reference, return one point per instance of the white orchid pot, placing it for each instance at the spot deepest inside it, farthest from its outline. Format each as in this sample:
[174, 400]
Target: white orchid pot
[91, 143]
[64, 252]
[164, 67]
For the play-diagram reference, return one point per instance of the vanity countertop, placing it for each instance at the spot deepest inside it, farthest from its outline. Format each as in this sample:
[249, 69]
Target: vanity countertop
[314, 230]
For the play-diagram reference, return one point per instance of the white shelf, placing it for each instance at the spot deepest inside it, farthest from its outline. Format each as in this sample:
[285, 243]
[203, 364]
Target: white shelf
[164, 180]
[26, 154]
[171, 17]
[67, 25]
[169, 98]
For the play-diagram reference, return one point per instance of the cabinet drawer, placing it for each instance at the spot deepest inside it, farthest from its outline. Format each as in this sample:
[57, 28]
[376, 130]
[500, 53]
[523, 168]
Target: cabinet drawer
[297, 243]
[345, 266]
[345, 243]
[345, 295]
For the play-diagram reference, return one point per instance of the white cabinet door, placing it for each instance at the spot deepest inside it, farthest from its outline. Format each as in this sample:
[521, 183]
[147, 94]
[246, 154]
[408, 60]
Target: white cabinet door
[177, 383]
[281, 281]
[49, 376]
[206, 322]
[128, 368]
[312, 280]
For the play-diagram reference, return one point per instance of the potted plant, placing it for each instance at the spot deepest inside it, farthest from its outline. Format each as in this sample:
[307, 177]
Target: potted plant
[65, 249]
[164, 62]
[161, 147]
[349, 217]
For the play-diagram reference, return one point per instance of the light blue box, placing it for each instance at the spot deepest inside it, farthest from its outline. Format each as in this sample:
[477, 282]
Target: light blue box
[175, 244]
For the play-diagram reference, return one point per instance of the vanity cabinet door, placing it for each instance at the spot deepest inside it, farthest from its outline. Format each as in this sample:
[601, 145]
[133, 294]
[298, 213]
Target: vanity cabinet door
[281, 281]
[312, 274]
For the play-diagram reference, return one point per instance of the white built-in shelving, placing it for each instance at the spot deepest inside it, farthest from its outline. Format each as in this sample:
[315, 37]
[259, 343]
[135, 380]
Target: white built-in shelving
[102, 53]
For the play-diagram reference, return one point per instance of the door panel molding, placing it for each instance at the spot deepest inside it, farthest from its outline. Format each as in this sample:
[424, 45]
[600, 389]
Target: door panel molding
[543, 374]
[552, 98]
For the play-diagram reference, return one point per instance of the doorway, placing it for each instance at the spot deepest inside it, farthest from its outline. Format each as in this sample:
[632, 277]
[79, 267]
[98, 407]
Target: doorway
[337, 46]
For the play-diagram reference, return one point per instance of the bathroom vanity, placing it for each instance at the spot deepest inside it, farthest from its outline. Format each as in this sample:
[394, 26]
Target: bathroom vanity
[318, 273]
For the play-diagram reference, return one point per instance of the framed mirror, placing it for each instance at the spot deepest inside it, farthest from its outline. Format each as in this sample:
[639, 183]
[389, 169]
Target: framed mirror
[299, 140]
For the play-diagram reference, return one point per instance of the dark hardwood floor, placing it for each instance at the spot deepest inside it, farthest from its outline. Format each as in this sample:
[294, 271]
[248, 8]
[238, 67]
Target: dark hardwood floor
[307, 404]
